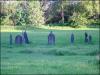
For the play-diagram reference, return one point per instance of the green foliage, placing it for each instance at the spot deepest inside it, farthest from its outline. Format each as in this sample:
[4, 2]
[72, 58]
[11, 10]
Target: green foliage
[92, 7]
[62, 13]
[6, 12]
[60, 24]
[21, 15]
[6, 21]
[78, 20]
[35, 13]
[27, 13]
[94, 22]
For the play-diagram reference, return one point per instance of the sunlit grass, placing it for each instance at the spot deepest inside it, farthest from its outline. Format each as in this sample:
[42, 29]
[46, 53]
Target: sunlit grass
[42, 27]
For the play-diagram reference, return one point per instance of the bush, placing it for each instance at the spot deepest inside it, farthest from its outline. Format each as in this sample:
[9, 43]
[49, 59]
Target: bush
[78, 20]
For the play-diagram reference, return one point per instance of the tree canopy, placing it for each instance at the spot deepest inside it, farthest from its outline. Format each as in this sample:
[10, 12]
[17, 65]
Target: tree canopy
[45, 12]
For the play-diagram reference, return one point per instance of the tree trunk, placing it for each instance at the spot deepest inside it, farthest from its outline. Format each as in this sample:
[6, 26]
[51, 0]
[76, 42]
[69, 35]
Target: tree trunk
[62, 14]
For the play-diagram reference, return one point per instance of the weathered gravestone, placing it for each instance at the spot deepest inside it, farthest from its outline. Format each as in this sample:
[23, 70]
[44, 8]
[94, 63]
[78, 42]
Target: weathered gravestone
[25, 37]
[18, 40]
[72, 38]
[90, 38]
[51, 38]
[86, 37]
[10, 39]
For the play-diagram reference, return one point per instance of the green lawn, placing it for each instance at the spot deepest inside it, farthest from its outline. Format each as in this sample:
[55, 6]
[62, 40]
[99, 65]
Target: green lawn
[40, 58]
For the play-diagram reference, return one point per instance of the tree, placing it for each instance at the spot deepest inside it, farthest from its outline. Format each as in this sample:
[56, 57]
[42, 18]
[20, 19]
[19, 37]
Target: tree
[36, 15]
[23, 13]
[78, 20]
[6, 11]
[62, 12]
[20, 17]
[55, 11]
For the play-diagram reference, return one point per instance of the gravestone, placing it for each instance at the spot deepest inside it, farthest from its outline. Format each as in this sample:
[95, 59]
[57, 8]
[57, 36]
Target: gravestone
[90, 38]
[72, 38]
[18, 40]
[10, 39]
[51, 38]
[86, 37]
[25, 37]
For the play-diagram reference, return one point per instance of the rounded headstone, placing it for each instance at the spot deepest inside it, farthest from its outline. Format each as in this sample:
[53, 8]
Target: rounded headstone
[18, 40]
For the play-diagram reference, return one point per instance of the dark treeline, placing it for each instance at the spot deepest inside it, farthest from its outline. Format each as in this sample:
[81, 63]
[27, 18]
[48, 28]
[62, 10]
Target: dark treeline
[50, 12]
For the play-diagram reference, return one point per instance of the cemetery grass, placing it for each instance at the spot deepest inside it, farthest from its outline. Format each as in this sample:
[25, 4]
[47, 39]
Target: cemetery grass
[40, 58]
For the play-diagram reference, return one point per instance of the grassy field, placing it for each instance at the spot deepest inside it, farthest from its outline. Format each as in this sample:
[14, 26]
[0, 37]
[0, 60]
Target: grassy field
[40, 58]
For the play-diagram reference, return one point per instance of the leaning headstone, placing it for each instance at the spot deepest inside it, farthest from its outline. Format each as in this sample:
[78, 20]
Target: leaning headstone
[10, 39]
[25, 37]
[90, 38]
[86, 37]
[72, 38]
[18, 40]
[51, 38]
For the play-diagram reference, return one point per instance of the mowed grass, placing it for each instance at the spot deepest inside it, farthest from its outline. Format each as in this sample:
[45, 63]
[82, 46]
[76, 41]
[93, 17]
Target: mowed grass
[40, 58]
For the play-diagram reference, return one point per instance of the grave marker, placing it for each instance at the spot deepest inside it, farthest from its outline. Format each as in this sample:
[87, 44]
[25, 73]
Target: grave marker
[10, 39]
[72, 38]
[86, 37]
[18, 40]
[25, 37]
[51, 38]
[90, 38]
